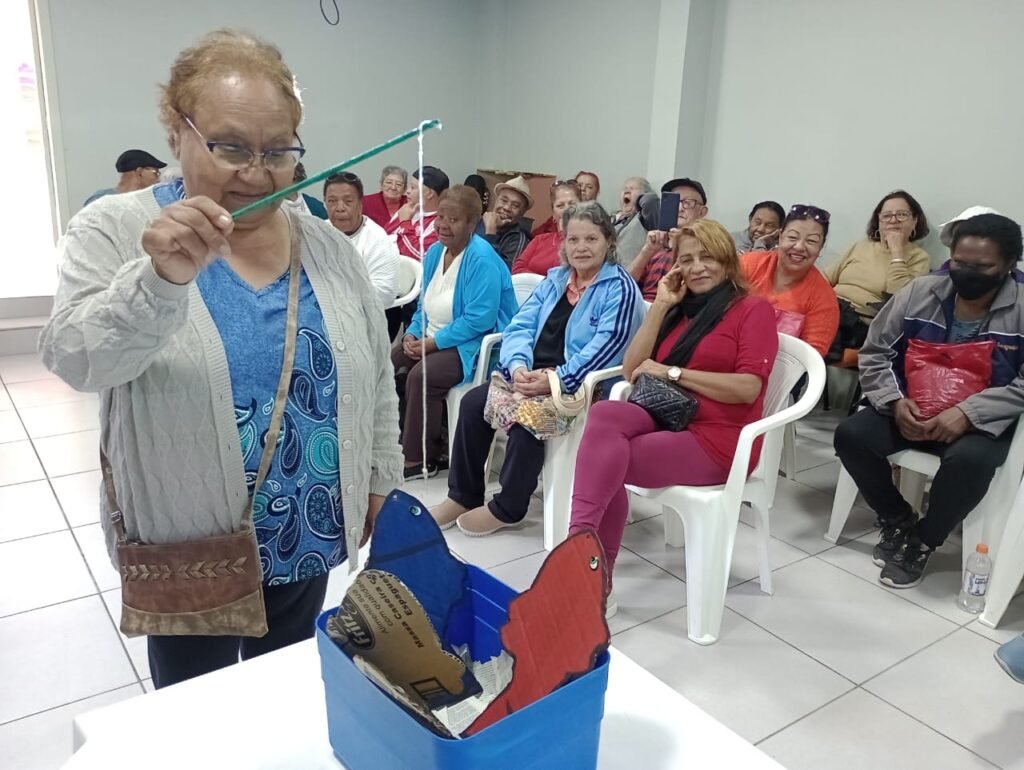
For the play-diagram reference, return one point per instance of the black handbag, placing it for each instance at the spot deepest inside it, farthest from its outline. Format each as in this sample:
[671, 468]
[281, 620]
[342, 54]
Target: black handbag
[671, 406]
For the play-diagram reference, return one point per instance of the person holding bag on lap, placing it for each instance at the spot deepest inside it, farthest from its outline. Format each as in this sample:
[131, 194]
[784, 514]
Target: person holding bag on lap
[578, 320]
[943, 372]
[705, 350]
[249, 419]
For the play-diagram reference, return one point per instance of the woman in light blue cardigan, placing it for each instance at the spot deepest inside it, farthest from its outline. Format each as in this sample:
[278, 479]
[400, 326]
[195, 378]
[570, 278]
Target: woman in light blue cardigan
[578, 320]
[467, 294]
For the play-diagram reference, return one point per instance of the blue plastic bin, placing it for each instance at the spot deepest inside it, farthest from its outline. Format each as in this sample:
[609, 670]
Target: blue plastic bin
[369, 731]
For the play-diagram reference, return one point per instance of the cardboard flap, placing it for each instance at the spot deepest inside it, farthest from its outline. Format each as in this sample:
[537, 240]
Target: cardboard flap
[556, 628]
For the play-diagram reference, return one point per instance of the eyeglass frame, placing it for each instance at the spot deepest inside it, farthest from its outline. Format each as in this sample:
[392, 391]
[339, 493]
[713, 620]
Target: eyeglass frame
[903, 215]
[210, 146]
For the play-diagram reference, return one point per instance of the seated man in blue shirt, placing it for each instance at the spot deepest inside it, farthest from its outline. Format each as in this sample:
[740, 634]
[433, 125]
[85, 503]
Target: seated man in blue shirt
[138, 170]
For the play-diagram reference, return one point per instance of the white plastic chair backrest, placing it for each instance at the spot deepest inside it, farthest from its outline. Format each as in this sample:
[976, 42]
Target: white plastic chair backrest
[410, 279]
[524, 284]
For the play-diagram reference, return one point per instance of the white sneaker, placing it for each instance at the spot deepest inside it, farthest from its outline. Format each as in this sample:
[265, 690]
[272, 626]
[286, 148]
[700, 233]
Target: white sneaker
[611, 607]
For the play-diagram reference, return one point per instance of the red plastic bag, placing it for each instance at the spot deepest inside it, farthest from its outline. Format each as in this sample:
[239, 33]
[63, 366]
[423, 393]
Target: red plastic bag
[788, 322]
[941, 375]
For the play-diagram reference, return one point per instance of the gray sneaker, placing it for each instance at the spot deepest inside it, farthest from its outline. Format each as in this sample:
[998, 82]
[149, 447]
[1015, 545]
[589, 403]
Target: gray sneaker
[891, 537]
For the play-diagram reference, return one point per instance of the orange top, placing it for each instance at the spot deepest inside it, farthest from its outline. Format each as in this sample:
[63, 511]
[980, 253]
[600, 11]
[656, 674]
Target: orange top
[812, 298]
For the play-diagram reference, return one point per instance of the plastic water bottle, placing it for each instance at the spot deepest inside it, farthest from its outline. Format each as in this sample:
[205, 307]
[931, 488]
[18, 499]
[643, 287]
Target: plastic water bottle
[972, 594]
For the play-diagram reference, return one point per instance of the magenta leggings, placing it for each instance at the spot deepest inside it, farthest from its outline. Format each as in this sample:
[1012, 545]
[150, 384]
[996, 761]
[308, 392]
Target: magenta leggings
[622, 445]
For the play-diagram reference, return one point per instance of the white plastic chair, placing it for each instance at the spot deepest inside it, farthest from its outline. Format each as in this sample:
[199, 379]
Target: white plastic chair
[985, 524]
[523, 284]
[705, 518]
[410, 280]
[1009, 569]
[480, 376]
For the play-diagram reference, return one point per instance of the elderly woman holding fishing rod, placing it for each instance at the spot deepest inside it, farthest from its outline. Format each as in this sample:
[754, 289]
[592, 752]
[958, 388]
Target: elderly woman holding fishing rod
[243, 363]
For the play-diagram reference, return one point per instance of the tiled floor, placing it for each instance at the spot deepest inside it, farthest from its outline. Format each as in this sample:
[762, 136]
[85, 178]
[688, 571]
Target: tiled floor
[832, 671]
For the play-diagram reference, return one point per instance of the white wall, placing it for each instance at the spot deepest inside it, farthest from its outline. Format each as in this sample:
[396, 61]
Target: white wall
[569, 87]
[363, 81]
[838, 103]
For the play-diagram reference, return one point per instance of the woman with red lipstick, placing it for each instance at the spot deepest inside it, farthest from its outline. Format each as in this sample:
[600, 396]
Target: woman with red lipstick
[805, 305]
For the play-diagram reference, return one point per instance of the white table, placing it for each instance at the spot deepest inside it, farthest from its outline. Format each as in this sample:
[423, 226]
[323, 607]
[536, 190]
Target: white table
[213, 721]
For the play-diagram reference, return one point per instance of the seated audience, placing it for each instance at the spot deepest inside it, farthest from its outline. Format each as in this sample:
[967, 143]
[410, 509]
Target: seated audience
[408, 222]
[632, 189]
[590, 185]
[503, 228]
[550, 225]
[975, 301]
[705, 333]
[343, 193]
[467, 294]
[302, 203]
[136, 169]
[876, 268]
[805, 305]
[544, 252]
[382, 206]
[633, 234]
[764, 223]
[577, 321]
[656, 257]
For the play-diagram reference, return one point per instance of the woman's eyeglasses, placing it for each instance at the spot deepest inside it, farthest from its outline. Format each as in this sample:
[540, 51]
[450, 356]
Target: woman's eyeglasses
[803, 211]
[566, 183]
[894, 216]
[238, 158]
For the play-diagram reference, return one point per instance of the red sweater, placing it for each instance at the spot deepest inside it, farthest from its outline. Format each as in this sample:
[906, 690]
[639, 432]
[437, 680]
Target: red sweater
[408, 235]
[813, 297]
[744, 342]
[540, 255]
[376, 208]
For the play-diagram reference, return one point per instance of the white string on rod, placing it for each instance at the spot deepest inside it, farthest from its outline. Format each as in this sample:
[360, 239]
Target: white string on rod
[423, 310]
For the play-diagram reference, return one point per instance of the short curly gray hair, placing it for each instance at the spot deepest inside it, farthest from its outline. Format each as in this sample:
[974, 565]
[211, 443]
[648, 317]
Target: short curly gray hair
[593, 212]
[394, 171]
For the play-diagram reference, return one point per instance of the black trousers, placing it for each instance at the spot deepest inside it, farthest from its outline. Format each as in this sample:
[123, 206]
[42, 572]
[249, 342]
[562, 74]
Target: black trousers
[864, 440]
[524, 461]
[292, 610]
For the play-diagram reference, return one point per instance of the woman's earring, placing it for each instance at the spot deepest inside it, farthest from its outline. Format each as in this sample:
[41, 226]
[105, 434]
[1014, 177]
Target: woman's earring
[913, 234]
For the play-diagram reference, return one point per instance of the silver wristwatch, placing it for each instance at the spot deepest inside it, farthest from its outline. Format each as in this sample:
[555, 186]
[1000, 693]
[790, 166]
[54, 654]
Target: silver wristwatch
[674, 373]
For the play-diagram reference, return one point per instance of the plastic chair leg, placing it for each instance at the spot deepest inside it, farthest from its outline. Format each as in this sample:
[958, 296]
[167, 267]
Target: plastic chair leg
[762, 531]
[557, 482]
[453, 401]
[675, 535]
[912, 487]
[842, 504]
[707, 574]
[789, 451]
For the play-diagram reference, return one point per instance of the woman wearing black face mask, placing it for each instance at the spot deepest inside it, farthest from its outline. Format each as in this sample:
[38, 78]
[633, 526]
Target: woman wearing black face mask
[975, 302]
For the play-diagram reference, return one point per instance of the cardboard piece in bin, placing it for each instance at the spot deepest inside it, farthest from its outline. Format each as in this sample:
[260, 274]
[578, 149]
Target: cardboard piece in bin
[380, 620]
[408, 543]
[556, 629]
[411, 702]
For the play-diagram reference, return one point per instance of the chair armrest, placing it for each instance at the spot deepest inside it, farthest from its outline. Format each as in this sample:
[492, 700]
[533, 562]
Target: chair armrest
[620, 391]
[483, 362]
[592, 379]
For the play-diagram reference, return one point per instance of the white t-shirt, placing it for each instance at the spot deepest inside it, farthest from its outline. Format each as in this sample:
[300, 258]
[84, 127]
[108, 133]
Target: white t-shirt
[380, 253]
[440, 296]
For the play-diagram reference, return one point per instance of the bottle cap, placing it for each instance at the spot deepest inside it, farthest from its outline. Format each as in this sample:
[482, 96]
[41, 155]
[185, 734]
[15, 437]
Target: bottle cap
[982, 548]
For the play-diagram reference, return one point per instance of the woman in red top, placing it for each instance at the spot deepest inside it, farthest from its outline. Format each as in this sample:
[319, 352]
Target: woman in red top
[542, 253]
[381, 206]
[705, 333]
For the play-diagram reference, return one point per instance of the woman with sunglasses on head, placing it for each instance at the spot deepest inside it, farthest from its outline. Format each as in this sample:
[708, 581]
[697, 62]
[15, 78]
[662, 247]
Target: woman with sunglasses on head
[805, 305]
[187, 322]
[543, 252]
[705, 333]
[876, 268]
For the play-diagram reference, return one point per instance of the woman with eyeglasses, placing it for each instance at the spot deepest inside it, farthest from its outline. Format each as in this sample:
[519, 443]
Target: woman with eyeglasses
[179, 314]
[805, 305]
[876, 268]
[382, 206]
[543, 252]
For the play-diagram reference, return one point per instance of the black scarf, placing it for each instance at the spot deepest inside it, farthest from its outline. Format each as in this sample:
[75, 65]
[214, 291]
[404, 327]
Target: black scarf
[704, 311]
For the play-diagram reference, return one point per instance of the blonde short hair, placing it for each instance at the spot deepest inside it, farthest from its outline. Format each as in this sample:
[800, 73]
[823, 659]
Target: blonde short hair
[216, 55]
[718, 244]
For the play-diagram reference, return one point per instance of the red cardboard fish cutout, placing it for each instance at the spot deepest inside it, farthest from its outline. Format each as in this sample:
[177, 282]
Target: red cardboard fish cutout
[556, 628]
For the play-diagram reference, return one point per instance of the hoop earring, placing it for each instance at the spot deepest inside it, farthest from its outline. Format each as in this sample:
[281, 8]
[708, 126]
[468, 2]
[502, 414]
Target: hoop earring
[877, 236]
[913, 234]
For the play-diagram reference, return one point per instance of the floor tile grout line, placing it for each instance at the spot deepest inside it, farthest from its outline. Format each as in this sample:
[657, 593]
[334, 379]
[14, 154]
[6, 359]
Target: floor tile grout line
[69, 703]
[51, 604]
[908, 657]
[809, 714]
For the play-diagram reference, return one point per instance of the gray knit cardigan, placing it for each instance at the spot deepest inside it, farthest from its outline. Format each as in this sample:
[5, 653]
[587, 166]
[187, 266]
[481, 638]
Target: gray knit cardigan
[152, 351]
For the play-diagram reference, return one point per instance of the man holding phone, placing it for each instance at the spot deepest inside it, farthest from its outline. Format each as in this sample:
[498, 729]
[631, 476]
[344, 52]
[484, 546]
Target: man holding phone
[682, 201]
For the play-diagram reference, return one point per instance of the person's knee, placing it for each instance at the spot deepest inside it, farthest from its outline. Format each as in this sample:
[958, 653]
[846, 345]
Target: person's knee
[853, 434]
[475, 401]
[972, 457]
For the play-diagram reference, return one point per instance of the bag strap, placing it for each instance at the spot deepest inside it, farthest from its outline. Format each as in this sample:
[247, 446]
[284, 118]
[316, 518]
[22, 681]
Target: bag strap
[280, 399]
[565, 404]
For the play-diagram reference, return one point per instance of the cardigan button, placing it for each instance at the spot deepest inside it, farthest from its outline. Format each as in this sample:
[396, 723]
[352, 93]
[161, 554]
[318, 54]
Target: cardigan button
[350, 489]
[347, 398]
[346, 444]
[340, 346]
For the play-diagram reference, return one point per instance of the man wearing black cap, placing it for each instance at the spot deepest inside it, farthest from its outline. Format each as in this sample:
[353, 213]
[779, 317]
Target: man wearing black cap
[656, 257]
[138, 170]
[408, 221]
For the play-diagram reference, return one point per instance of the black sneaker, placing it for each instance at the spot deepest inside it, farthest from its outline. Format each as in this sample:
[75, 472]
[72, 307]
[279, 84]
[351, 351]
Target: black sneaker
[890, 539]
[906, 568]
[416, 472]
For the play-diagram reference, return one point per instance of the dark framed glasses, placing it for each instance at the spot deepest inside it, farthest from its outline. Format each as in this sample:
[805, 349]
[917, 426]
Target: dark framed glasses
[805, 211]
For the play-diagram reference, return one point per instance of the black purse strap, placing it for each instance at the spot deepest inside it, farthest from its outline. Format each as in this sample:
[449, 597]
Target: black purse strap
[280, 399]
